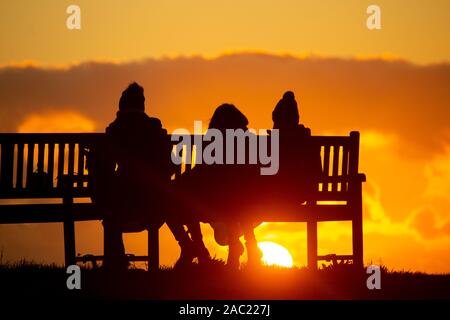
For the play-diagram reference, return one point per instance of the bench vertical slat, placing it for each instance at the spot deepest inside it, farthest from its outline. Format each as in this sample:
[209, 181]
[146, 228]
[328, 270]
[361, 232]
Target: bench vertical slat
[61, 151]
[80, 165]
[19, 176]
[187, 167]
[189, 151]
[189, 155]
[336, 149]
[177, 171]
[345, 166]
[51, 161]
[326, 166]
[30, 164]
[316, 151]
[71, 161]
[177, 168]
[40, 160]
[7, 165]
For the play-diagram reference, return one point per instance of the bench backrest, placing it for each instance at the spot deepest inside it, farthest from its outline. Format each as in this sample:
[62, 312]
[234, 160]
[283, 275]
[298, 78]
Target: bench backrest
[32, 165]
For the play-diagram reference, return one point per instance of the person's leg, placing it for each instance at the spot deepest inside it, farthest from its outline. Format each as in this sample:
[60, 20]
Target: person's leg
[235, 248]
[114, 250]
[168, 209]
[254, 254]
[197, 238]
[186, 245]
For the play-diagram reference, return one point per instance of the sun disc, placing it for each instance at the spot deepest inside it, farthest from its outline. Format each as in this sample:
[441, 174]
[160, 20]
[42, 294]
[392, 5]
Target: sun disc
[275, 254]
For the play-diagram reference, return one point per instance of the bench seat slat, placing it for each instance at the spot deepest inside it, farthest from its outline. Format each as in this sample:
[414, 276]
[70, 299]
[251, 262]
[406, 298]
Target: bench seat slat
[44, 194]
[35, 213]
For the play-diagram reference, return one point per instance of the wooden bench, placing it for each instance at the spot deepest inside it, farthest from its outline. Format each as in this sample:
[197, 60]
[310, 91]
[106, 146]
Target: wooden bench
[53, 167]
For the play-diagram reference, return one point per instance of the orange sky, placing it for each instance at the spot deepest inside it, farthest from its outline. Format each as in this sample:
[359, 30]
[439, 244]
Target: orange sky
[401, 108]
[121, 30]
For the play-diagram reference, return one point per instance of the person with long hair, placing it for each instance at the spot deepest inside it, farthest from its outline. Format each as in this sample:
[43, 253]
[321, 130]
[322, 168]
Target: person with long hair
[220, 193]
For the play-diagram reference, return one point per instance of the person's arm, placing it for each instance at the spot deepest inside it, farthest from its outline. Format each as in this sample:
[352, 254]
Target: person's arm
[109, 153]
[167, 147]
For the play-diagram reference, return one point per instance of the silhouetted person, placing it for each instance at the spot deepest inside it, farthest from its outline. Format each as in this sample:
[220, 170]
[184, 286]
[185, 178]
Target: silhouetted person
[300, 163]
[139, 192]
[220, 192]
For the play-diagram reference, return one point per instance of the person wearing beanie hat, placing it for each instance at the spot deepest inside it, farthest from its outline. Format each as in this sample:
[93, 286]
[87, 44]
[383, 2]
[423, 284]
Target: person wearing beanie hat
[299, 162]
[139, 191]
[132, 98]
[285, 114]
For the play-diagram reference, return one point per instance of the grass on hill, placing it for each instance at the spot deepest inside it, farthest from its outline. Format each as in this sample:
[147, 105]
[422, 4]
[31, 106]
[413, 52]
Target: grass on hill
[215, 281]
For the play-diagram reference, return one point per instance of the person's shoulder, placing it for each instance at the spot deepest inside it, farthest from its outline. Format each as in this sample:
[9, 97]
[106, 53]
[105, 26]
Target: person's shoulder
[155, 125]
[154, 122]
[296, 132]
[305, 131]
[111, 127]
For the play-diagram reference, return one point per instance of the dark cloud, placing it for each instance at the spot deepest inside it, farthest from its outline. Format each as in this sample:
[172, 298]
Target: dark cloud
[334, 94]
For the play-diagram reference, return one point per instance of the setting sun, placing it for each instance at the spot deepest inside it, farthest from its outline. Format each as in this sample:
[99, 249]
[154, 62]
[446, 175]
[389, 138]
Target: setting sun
[274, 254]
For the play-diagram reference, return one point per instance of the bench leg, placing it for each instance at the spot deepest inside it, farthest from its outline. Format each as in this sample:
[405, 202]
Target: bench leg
[69, 230]
[312, 244]
[357, 231]
[153, 248]
[69, 242]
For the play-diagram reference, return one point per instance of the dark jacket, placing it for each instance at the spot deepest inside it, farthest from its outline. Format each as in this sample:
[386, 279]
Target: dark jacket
[300, 164]
[140, 150]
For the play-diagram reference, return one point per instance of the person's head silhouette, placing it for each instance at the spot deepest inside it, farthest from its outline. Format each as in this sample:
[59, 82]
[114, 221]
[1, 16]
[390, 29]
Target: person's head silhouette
[285, 114]
[132, 98]
[227, 116]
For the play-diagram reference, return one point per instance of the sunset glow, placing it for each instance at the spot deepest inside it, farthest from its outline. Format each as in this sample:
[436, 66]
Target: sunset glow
[391, 85]
[275, 254]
